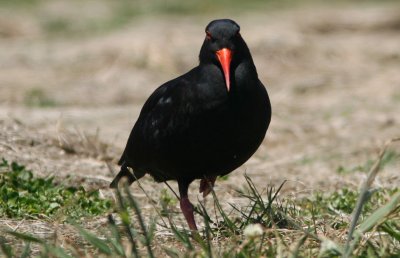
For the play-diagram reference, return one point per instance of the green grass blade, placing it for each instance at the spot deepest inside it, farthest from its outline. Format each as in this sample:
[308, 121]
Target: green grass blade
[271, 198]
[390, 229]
[5, 248]
[27, 250]
[363, 198]
[372, 251]
[98, 243]
[308, 232]
[26, 237]
[57, 251]
[116, 240]
[136, 208]
[206, 245]
[124, 215]
[253, 188]
[182, 237]
[296, 250]
[372, 221]
[227, 220]
[203, 212]
[255, 194]
[172, 252]
[380, 213]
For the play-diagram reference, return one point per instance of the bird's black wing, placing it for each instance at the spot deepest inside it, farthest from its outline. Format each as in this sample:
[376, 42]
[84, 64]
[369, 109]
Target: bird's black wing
[165, 114]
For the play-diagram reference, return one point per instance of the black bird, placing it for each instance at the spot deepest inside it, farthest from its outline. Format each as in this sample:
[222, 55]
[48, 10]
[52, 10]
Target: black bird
[203, 124]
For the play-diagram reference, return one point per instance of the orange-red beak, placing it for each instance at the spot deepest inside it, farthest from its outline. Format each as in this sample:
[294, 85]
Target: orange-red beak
[225, 56]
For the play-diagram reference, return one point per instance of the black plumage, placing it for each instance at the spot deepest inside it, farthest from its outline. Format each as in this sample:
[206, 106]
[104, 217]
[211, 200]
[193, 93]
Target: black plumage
[203, 124]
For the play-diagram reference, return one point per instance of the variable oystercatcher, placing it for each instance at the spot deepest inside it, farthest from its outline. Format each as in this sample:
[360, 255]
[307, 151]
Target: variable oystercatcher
[203, 124]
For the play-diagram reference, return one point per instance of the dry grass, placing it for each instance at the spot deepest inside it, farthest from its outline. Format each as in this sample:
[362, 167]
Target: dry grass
[332, 75]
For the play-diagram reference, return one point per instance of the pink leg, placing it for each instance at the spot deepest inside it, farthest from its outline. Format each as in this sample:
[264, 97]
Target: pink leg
[186, 206]
[187, 210]
[206, 185]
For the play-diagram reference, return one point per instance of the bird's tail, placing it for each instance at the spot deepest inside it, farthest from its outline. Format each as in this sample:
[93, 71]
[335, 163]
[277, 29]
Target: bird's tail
[124, 172]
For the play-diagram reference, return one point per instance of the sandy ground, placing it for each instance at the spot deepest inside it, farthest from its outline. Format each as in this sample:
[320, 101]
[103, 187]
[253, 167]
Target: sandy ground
[333, 75]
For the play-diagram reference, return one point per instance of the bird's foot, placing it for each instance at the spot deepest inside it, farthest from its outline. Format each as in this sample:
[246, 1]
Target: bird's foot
[206, 185]
[187, 210]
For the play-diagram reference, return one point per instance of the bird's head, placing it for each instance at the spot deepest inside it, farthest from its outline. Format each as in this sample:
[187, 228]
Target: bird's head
[223, 45]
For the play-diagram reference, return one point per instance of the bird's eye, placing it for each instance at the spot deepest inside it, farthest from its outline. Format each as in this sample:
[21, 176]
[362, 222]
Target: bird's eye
[208, 35]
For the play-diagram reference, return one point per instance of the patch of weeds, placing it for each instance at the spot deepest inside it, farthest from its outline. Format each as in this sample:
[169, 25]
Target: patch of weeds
[167, 202]
[343, 201]
[389, 157]
[267, 227]
[340, 201]
[133, 235]
[360, 168]
[38, 98]
[24, 196]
